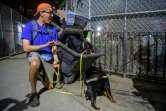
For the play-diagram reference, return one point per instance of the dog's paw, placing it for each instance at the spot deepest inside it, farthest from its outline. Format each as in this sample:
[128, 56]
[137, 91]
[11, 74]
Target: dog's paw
[87, 98]
[97, 108]
[113, 101]
[86, 95]
[94, 106]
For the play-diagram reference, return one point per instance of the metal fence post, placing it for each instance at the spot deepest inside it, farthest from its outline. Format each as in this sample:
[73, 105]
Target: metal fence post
[156, 55]
[89, 14]
[148, 54]
[132, 53]
[105, 51]
[1, 25]
[140, 55]
[14, 48]
[94, 43]
[3, 50]
[111, 52]
[164, 66]
[125, 43]
[99, 41]
[118, 55]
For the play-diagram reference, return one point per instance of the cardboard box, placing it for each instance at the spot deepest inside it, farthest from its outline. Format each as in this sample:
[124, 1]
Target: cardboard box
[69, 16]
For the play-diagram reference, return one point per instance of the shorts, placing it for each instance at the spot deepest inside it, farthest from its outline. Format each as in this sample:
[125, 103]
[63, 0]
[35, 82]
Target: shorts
[46, 67]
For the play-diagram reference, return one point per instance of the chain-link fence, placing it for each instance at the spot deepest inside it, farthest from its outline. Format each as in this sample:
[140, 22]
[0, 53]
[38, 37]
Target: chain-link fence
[11, 25]
[131, 33]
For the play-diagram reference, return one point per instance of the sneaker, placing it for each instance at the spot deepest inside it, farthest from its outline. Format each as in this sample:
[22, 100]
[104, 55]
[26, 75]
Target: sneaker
[34, 100]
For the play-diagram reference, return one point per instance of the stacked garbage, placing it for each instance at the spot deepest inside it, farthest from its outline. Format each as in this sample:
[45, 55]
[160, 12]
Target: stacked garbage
[71, 62]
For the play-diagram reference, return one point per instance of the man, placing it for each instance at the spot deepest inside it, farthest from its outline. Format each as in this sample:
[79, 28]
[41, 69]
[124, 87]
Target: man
[41, 50]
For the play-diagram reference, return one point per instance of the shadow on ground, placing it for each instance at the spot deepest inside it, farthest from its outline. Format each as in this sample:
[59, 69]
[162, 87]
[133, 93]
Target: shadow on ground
[155, 93]
[15, 104]
[11, 104]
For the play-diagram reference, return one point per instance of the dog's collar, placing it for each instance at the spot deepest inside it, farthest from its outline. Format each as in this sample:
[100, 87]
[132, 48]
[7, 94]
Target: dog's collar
[104, 76]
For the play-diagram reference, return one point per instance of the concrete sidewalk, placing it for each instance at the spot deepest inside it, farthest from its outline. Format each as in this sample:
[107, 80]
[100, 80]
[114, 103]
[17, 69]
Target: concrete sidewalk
[15, 89]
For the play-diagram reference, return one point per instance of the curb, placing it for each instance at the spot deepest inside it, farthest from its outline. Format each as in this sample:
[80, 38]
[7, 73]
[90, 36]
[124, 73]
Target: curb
[5, 57]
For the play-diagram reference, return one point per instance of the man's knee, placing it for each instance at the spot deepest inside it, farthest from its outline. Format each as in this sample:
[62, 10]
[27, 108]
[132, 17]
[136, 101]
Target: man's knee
[35, 64]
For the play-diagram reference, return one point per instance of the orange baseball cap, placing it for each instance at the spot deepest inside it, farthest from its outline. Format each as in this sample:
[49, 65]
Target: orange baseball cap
[42, 7]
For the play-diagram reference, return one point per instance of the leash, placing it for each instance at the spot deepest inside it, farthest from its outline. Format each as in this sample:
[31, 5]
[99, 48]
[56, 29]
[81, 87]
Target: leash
[57, 77]
[81, 82]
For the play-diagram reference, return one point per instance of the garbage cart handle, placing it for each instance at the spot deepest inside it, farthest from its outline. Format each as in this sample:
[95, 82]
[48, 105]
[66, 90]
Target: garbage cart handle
[78, 54]
[68, 49]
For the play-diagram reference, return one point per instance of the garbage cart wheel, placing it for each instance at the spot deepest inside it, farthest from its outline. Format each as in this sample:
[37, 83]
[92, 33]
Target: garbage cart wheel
[69, 79]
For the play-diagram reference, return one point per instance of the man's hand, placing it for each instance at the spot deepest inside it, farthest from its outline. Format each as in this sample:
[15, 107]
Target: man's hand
[55, 64]
[57, 43]
[51, 43]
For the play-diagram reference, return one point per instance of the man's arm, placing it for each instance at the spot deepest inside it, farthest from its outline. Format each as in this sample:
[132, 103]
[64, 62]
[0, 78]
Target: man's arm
[30, 48]
[54, 49]
[55, 54]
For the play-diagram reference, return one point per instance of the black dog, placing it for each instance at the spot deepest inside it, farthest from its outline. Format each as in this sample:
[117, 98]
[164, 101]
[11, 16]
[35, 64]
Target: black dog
[98, 82]
[77, 44]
